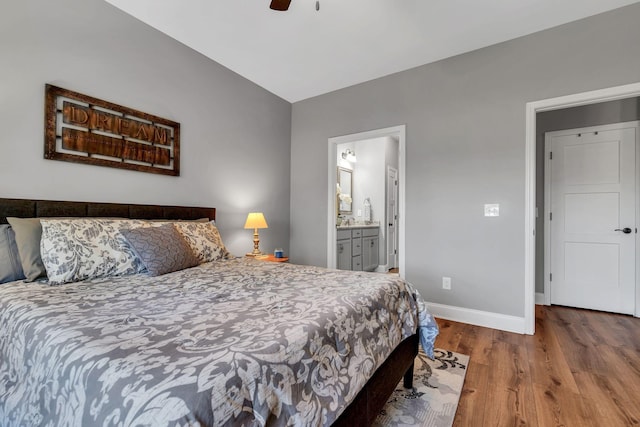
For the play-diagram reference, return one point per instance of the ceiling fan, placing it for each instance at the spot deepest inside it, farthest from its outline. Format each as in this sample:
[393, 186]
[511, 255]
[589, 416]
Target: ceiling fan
[283, 5]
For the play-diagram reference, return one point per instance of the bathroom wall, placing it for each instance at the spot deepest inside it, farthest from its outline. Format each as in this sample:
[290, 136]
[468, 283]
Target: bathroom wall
[369, 178]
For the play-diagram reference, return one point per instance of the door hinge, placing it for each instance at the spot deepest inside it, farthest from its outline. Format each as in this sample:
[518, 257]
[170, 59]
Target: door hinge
[395, 251]
[550, 277]
[550, 155]
[550, 216]
[396, 182]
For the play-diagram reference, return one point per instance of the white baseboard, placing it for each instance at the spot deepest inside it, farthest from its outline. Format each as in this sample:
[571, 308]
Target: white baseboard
[486, 319]
[540, 298]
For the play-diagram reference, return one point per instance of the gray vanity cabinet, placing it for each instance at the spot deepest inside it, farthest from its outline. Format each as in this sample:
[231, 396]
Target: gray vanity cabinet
[343, 250]
[357, 248]
[370, 245]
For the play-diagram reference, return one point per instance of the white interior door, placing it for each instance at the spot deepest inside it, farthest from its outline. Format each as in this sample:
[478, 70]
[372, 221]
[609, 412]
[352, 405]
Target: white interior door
[591, 215]
[392, 218]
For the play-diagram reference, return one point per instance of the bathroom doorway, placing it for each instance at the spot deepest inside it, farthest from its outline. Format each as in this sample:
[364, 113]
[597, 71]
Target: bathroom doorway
[371, 153]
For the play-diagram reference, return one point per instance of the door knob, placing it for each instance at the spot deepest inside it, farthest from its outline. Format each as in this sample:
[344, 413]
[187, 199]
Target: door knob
[625, 230]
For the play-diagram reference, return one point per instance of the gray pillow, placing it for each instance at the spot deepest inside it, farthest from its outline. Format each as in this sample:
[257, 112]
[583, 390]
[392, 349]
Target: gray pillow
[28, 233]
[162, 249]
[10, 266]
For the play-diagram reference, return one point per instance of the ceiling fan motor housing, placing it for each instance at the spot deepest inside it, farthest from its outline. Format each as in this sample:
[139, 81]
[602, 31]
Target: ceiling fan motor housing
[280, 4]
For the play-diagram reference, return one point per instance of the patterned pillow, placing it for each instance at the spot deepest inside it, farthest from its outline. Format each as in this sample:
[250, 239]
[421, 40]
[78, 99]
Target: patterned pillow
[204, 240]
[10, 267]
[162, 249]
[80, 249]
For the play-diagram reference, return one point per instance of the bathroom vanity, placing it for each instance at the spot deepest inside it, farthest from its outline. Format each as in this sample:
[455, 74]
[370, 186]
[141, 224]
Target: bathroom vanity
[357, 247]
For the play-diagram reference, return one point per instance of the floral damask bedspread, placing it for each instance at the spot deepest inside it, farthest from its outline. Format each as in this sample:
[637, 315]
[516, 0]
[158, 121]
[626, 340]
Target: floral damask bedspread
[234, 342]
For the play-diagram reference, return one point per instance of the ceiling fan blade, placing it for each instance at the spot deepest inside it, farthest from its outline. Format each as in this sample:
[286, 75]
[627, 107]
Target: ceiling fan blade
[280, 4]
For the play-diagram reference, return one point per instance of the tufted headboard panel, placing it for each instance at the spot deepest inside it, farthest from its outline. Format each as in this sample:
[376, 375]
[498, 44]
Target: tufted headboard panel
[27, 208]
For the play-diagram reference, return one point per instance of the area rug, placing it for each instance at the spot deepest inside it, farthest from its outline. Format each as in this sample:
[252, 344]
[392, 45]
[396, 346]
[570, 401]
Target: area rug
[432, 402]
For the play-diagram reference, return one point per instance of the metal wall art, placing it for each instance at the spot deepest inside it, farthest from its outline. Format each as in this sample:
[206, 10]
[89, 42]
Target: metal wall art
[82, 129]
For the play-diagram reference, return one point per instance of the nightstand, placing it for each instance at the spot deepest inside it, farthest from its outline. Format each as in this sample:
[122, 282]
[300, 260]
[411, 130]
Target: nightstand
[271, 258]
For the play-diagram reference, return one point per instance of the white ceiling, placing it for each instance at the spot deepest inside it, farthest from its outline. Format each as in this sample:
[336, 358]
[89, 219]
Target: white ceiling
[302, 53]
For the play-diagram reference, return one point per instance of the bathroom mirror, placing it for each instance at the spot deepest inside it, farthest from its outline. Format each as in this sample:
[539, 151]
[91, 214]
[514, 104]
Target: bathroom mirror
[344, 194]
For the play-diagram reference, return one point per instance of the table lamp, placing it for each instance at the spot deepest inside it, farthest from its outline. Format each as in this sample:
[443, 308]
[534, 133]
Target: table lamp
[255, 220]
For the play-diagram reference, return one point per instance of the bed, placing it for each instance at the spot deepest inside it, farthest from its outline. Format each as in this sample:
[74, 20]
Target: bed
[234, 341]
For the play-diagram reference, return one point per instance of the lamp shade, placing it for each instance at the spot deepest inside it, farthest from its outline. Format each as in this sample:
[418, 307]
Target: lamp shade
[256, 220]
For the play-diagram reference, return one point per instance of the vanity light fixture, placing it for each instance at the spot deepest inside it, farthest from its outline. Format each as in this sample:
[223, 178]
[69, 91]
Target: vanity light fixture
[255, 220]
[349, 155]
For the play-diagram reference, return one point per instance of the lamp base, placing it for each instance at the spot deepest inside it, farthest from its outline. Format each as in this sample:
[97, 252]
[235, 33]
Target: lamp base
[256, 245]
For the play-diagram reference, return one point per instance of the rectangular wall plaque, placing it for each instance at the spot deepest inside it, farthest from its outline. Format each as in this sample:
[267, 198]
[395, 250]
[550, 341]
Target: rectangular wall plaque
[82, 129]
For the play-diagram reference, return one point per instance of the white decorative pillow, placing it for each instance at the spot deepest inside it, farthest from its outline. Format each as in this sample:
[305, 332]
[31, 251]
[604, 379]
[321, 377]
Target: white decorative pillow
[85, 248]
[204, 240]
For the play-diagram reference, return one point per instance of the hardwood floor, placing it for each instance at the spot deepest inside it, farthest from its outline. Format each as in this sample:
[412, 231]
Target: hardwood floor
[581, 368]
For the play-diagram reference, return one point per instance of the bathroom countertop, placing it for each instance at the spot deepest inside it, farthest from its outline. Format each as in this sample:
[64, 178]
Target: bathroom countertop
[372, 225]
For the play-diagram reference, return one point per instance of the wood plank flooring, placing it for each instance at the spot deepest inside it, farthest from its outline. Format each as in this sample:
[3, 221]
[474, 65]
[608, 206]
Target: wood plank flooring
[581, 368]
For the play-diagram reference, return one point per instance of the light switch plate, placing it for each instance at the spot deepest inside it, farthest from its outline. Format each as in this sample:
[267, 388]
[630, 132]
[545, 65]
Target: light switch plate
[492, 209]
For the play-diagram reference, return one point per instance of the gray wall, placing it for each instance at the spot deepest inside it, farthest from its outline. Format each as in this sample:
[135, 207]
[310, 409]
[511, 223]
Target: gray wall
[624, 110]
[465, 120]
[235, 136]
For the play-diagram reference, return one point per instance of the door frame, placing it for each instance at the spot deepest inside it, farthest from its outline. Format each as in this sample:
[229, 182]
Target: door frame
[531, 109]
[398, 132]
[547, 197]
[397, 211]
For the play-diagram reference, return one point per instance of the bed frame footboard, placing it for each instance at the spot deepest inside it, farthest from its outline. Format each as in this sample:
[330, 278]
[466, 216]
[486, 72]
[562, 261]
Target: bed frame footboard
[369, 402]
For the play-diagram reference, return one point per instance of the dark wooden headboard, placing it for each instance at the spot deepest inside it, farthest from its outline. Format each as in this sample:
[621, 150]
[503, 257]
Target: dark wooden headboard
[27, 208]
